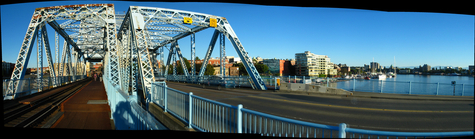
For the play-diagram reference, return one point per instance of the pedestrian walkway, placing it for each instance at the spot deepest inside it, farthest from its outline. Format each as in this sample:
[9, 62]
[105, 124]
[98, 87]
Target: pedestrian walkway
[87, 109]
[412, 97]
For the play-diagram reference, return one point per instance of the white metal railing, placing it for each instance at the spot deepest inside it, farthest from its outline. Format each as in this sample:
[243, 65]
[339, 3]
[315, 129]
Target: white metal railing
[211, 116]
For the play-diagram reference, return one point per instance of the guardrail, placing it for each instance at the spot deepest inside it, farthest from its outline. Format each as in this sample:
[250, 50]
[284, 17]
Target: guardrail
[227, 81]
[126, 112]
[376, 86]
[211, 116]
[33, 85]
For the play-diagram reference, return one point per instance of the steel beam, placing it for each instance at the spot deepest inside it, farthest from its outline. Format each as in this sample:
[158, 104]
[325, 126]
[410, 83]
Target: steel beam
[145, 65]
[48, 55]
[209, 52]
[171, 54]
[39, 58]
[222, 60]
[182, 61]
[63, 34]
[192, 64]
[251, 70]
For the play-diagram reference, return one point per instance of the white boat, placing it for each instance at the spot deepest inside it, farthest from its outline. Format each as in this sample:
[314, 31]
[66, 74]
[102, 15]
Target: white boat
[346, 77]
[318, 80]
[391, 74]
[380, 76]
[359, 77]
[454, 74]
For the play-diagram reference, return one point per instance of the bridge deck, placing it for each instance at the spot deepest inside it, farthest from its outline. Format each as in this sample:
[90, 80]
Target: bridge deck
[87, 109]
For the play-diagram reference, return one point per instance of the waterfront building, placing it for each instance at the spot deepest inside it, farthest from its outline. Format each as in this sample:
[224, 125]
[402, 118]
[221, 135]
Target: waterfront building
[289, 67]
[230, 59]
[405, 71]
[345, 70]
[426, 68]
[309, 64]
[367, 68]
[279, 66]
[375, 66]
[256, 60]
[471, 69]
[237, 60]
[276, 66]
[230, 70]
[7, 68]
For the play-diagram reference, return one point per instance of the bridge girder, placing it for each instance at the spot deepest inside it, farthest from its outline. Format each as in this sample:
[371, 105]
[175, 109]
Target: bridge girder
[94, 34]
[85, 21]
[154, 28]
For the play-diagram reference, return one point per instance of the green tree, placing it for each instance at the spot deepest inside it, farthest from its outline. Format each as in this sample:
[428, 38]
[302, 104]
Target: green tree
[242, 69]
[179, 69]
[170, 69]
[209, 70]
[261, 68]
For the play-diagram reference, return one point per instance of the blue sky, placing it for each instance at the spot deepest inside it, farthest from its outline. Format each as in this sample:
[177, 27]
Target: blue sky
[348, 36]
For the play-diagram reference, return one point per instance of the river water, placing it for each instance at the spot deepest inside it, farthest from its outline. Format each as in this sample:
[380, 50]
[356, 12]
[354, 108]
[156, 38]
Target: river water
[420, 84]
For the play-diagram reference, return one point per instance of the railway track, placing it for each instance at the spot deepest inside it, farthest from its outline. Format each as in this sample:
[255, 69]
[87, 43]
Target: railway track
[33, 112]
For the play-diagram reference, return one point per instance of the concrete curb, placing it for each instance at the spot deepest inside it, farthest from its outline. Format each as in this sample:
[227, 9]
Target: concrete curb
[432, 99]
[312, 89]
[323, 90]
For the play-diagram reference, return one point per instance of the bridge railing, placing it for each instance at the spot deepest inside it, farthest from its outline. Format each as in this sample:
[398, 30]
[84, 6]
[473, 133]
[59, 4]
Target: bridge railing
[31, 85]
[228, 81]
[211, 116]
[384, 86]
[202, 114]
[126, 112]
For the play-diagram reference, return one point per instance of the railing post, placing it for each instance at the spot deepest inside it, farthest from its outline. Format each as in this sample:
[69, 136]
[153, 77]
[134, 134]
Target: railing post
[165, 98]
[381, 86]
[342, 130]
[190, 109]
[354, 83]
[437, 89]
[239, 119]
[275, 83]
[327, 81]
[409, 87]
[462, 89]
[29, 86]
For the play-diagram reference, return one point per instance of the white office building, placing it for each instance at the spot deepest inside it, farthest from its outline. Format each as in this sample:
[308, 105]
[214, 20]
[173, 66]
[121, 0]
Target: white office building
[309, 64]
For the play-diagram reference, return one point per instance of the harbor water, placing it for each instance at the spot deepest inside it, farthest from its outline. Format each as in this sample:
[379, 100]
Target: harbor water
[412, 84]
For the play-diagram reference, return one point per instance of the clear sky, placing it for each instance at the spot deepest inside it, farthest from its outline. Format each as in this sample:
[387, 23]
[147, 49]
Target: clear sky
[348, 36]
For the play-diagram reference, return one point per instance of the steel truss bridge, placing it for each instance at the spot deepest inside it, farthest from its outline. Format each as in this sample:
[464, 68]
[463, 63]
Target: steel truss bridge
[128, 45]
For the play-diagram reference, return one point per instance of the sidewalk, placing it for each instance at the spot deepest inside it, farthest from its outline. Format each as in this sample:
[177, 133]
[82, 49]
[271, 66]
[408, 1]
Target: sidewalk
[412, 97]
[87, 109]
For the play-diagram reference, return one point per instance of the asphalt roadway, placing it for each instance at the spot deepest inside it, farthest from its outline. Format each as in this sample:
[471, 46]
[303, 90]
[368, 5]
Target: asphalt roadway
[374, 111]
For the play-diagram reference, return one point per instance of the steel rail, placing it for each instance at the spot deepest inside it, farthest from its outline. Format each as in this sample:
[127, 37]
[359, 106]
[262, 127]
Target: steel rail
[28, 115]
